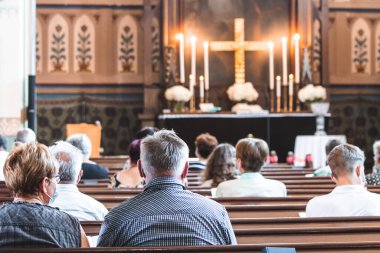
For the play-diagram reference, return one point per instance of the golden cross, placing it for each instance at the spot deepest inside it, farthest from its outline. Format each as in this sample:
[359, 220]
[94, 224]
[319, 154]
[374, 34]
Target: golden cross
[239, 46]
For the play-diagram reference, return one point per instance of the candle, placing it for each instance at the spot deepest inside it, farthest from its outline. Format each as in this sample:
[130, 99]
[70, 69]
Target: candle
[297, 57]
[284, 60]
[193, 57]
[181, 57]
[291, 85]
[206, 71]
[201, 87]
[271, 65]
[191, 85]
[278, 86]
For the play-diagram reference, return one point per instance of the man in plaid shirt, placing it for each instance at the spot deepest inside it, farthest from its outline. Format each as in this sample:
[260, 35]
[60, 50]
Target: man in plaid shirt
[165, 213]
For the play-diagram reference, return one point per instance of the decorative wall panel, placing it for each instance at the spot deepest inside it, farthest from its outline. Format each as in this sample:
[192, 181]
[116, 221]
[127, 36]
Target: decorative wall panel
[58, 44]
[156, 48]
[127, 45]
[39, 46]
[84, 45]
[360, 47]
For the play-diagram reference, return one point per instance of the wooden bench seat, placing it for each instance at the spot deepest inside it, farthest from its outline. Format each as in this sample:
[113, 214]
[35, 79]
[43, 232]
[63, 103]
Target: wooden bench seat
[93, 227]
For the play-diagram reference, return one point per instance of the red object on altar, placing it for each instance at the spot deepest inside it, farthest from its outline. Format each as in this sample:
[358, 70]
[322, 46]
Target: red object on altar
[273, 158]
[290, 158]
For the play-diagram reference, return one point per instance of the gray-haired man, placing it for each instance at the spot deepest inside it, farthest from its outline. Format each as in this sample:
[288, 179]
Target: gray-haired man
[68, 197]
[350, 197]
[165, 214]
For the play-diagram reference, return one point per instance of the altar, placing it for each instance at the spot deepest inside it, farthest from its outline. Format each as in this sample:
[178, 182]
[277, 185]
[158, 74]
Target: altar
[279, 130]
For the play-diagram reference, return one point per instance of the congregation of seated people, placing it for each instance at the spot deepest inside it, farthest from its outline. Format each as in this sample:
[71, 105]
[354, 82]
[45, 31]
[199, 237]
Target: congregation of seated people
[50, 205]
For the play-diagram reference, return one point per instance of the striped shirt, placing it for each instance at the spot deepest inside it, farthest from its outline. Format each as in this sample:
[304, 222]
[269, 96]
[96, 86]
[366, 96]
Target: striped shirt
[165, 214]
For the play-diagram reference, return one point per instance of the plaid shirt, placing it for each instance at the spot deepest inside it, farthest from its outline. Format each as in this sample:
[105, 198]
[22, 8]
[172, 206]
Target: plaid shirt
[165, 214]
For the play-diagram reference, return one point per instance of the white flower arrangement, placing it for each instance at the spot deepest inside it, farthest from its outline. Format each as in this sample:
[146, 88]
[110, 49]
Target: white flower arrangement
[311, 93]
[178, 93]
[242, 91]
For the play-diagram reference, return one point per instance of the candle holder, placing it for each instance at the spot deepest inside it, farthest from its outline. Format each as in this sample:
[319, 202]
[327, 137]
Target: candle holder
[271, 98]
[192, 104]
[285, 101]
[291, 103]
[206, 98]
[298, 105]
[201, 100]
[278, 104]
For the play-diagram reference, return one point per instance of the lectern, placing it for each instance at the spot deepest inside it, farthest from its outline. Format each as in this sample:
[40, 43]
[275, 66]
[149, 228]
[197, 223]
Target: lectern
[93, 131]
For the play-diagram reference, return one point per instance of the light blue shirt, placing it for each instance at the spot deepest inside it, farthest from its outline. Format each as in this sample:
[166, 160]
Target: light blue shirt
[70, 200]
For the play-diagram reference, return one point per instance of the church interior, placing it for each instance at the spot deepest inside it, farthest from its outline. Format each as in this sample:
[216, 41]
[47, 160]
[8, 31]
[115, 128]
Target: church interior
[294, 73]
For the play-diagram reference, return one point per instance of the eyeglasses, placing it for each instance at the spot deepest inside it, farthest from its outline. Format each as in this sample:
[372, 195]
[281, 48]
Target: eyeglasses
[57, 178]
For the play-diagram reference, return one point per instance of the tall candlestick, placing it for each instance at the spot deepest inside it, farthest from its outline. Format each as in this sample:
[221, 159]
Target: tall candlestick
[181, 57]
[271, 66]
[278, 86]
[297, 57]
[191, 84]
[278, 93]
[201, 89]
[291, 91]
[193, 57]
[206, 70]
[284, 42]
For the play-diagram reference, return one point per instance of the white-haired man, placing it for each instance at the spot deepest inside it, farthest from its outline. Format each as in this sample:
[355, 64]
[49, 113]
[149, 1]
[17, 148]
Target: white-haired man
[90, 169]
[350, 197]
[165, 213]
[68, 198]
[23, 136]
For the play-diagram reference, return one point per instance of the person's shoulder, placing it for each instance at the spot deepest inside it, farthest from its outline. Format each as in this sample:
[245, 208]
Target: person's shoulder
[276, 182]
[228, 183]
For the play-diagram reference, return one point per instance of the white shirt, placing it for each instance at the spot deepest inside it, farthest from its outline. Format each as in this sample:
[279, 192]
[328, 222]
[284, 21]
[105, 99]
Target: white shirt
[3, 157]
[251, 185]
[346, 200]
[72, 201]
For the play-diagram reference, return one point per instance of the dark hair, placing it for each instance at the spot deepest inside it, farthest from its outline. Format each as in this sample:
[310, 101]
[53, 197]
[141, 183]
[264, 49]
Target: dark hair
[330, 145]
[205, 144]
[3, 142]
[253, 153]
[134, 150]
[221, 165]
[146, 131]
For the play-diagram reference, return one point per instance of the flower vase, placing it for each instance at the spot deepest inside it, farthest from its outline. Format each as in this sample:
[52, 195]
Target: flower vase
[320, 109]
[178, 106]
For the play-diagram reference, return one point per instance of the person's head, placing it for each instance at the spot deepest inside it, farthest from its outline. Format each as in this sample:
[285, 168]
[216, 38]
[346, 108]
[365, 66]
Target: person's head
[376, 152]
[251, 154]
[3, 143]
[221, 164]
[31, 171]
[204, 145]
[70, 161]
[163, 154]
[331, 144]
[146, 131]
[134, 151]
[83, 143]
[347, 163]
[23, 136]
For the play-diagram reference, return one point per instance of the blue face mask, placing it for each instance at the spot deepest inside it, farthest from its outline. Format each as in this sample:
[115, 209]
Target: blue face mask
[53, 198]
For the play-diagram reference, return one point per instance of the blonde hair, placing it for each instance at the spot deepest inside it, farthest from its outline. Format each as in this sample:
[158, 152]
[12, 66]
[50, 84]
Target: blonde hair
[253, 153]
[26, 166]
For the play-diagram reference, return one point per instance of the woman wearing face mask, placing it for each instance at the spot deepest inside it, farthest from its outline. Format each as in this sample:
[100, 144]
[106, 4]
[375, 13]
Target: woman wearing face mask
[31, 174]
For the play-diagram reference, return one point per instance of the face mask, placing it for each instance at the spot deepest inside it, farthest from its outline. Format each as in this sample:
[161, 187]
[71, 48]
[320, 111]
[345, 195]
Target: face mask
[52, 198]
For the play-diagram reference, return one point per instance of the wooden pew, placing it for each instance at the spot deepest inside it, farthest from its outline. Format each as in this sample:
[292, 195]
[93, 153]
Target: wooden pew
[347, 247]
[93, 227]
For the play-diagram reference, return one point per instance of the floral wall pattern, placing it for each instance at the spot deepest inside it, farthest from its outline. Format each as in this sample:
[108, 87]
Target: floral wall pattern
[39, 47]
[58, 34]
[316, 51]
[377, 46]
[361, 47]
[118, 118]
[127, 45]
[156, 48]
[84, 55]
